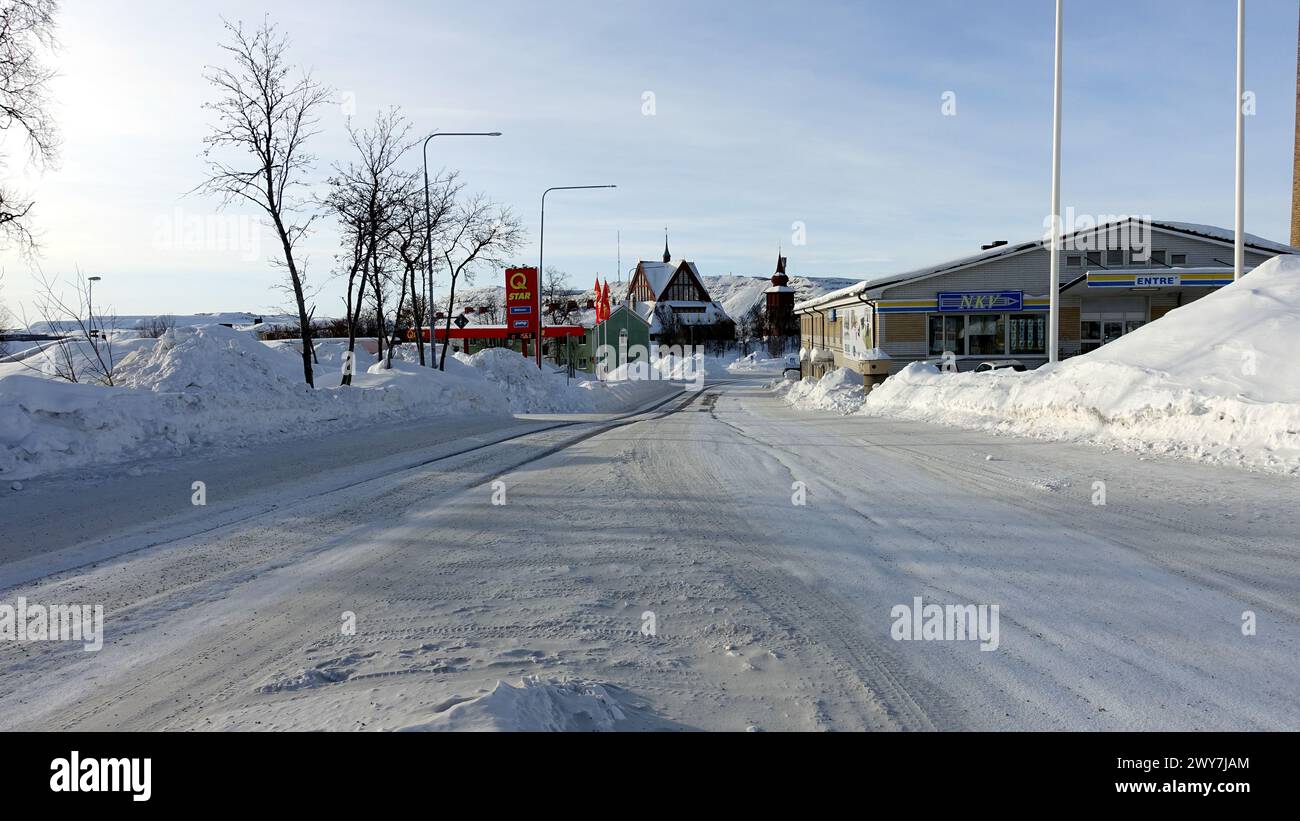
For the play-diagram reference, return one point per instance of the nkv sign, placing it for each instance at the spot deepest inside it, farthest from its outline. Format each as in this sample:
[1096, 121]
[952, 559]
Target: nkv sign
[998, 301]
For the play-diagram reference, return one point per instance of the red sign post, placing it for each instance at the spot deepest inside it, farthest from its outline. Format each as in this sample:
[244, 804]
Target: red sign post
[524, 307]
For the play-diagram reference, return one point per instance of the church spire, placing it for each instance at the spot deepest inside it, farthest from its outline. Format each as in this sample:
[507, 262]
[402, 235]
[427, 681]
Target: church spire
[780, 277]
[667, 256]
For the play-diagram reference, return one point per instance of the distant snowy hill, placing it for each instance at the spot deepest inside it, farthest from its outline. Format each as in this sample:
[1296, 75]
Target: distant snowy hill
[740, 293]
[126, 322]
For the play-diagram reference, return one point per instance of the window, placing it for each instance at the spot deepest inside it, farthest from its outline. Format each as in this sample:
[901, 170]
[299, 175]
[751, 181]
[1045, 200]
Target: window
[1073, 261]
[1178, 259]
[1115, 258]
[1096, 329]
[986, 334]
[1027, 334]
[947, 333]
[1159, 257]
[1094, 257]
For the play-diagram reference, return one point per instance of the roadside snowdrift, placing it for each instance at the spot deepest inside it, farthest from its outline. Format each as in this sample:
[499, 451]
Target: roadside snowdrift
[530, 389]
[840, 391]
[212, 385]
[1216, 380]
[534, 706]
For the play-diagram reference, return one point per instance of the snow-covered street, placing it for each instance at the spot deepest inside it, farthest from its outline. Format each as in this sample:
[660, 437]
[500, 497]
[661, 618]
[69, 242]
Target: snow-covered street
[715, 560]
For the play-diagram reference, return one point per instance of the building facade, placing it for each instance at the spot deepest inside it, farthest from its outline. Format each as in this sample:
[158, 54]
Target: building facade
[994, 305]
[672, 299]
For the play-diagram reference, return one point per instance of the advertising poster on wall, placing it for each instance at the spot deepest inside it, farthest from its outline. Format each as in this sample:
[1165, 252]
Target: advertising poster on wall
[855, 331]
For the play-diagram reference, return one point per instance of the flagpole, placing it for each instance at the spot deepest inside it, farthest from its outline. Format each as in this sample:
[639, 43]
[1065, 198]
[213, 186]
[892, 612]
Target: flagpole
[1239, 220]
[1054, 297]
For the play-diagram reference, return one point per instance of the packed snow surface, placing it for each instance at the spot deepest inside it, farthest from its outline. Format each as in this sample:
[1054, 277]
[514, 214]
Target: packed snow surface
[1216, 380]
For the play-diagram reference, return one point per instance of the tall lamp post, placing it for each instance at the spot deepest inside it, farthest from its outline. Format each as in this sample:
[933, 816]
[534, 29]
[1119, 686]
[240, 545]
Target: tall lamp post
[428, 231]
[90, 310]
[541, 251]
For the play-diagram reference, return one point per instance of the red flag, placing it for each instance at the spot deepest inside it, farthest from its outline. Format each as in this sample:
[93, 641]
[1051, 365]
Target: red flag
[605, 299]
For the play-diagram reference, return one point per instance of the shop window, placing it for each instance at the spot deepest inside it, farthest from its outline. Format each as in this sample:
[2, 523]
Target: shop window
[986, 334]
[947, 333]
[1027, 334]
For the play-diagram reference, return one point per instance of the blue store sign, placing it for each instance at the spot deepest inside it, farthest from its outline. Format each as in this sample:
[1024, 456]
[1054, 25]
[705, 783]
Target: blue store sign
[997, 301]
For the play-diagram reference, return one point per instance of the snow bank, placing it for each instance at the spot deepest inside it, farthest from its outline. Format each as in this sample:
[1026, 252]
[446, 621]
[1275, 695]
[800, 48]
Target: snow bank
[531, 389]
[1216, 380]
[840, 391]
[212, 385]
[534, 706]
[758, 363]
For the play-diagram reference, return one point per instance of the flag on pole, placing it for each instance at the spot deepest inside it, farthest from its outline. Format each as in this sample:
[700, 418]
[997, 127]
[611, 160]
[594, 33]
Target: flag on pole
[605, 300]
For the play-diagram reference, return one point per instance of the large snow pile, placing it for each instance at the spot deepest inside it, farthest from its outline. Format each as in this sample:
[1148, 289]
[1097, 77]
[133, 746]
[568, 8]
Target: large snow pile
[531, 389]
[207, 386]
[840, 391]
[1217, 380]
[535, 706]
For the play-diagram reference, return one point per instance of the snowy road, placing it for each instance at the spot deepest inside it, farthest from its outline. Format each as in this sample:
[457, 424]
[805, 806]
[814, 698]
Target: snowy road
[768, 614]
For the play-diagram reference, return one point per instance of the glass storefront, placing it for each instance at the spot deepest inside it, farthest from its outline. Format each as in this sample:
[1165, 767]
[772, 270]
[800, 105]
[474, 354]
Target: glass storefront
[1099, 327]
[988, 334]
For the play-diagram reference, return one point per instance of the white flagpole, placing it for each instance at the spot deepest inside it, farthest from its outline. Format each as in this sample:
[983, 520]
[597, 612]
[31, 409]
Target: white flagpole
[1239, 224]
[1054, 297]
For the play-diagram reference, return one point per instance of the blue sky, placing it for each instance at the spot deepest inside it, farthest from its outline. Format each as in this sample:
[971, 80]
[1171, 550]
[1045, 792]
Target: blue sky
[766, 114]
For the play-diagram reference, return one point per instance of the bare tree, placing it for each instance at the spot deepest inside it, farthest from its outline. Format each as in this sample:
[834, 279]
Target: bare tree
[6, 321]
[84, 349]
[555, 295]
[406, 241]
[156, 327]
[26, 36]
[749, 328]
[479, 232]
[265, 114]
[365, 197]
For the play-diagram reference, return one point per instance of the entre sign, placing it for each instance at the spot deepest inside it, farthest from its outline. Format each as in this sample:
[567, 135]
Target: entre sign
[999, 301]
[1157, 280]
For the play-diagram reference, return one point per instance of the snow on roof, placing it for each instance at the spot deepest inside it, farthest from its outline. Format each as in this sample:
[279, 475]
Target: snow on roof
[659, 274]
[886, 280]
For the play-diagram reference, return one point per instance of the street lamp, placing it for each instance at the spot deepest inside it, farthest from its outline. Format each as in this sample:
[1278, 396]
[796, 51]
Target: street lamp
[428, 230]
[90, 309]
[541, 249]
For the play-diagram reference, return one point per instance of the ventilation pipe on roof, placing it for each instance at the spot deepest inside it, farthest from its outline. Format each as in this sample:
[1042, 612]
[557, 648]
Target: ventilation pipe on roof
[997, 243]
